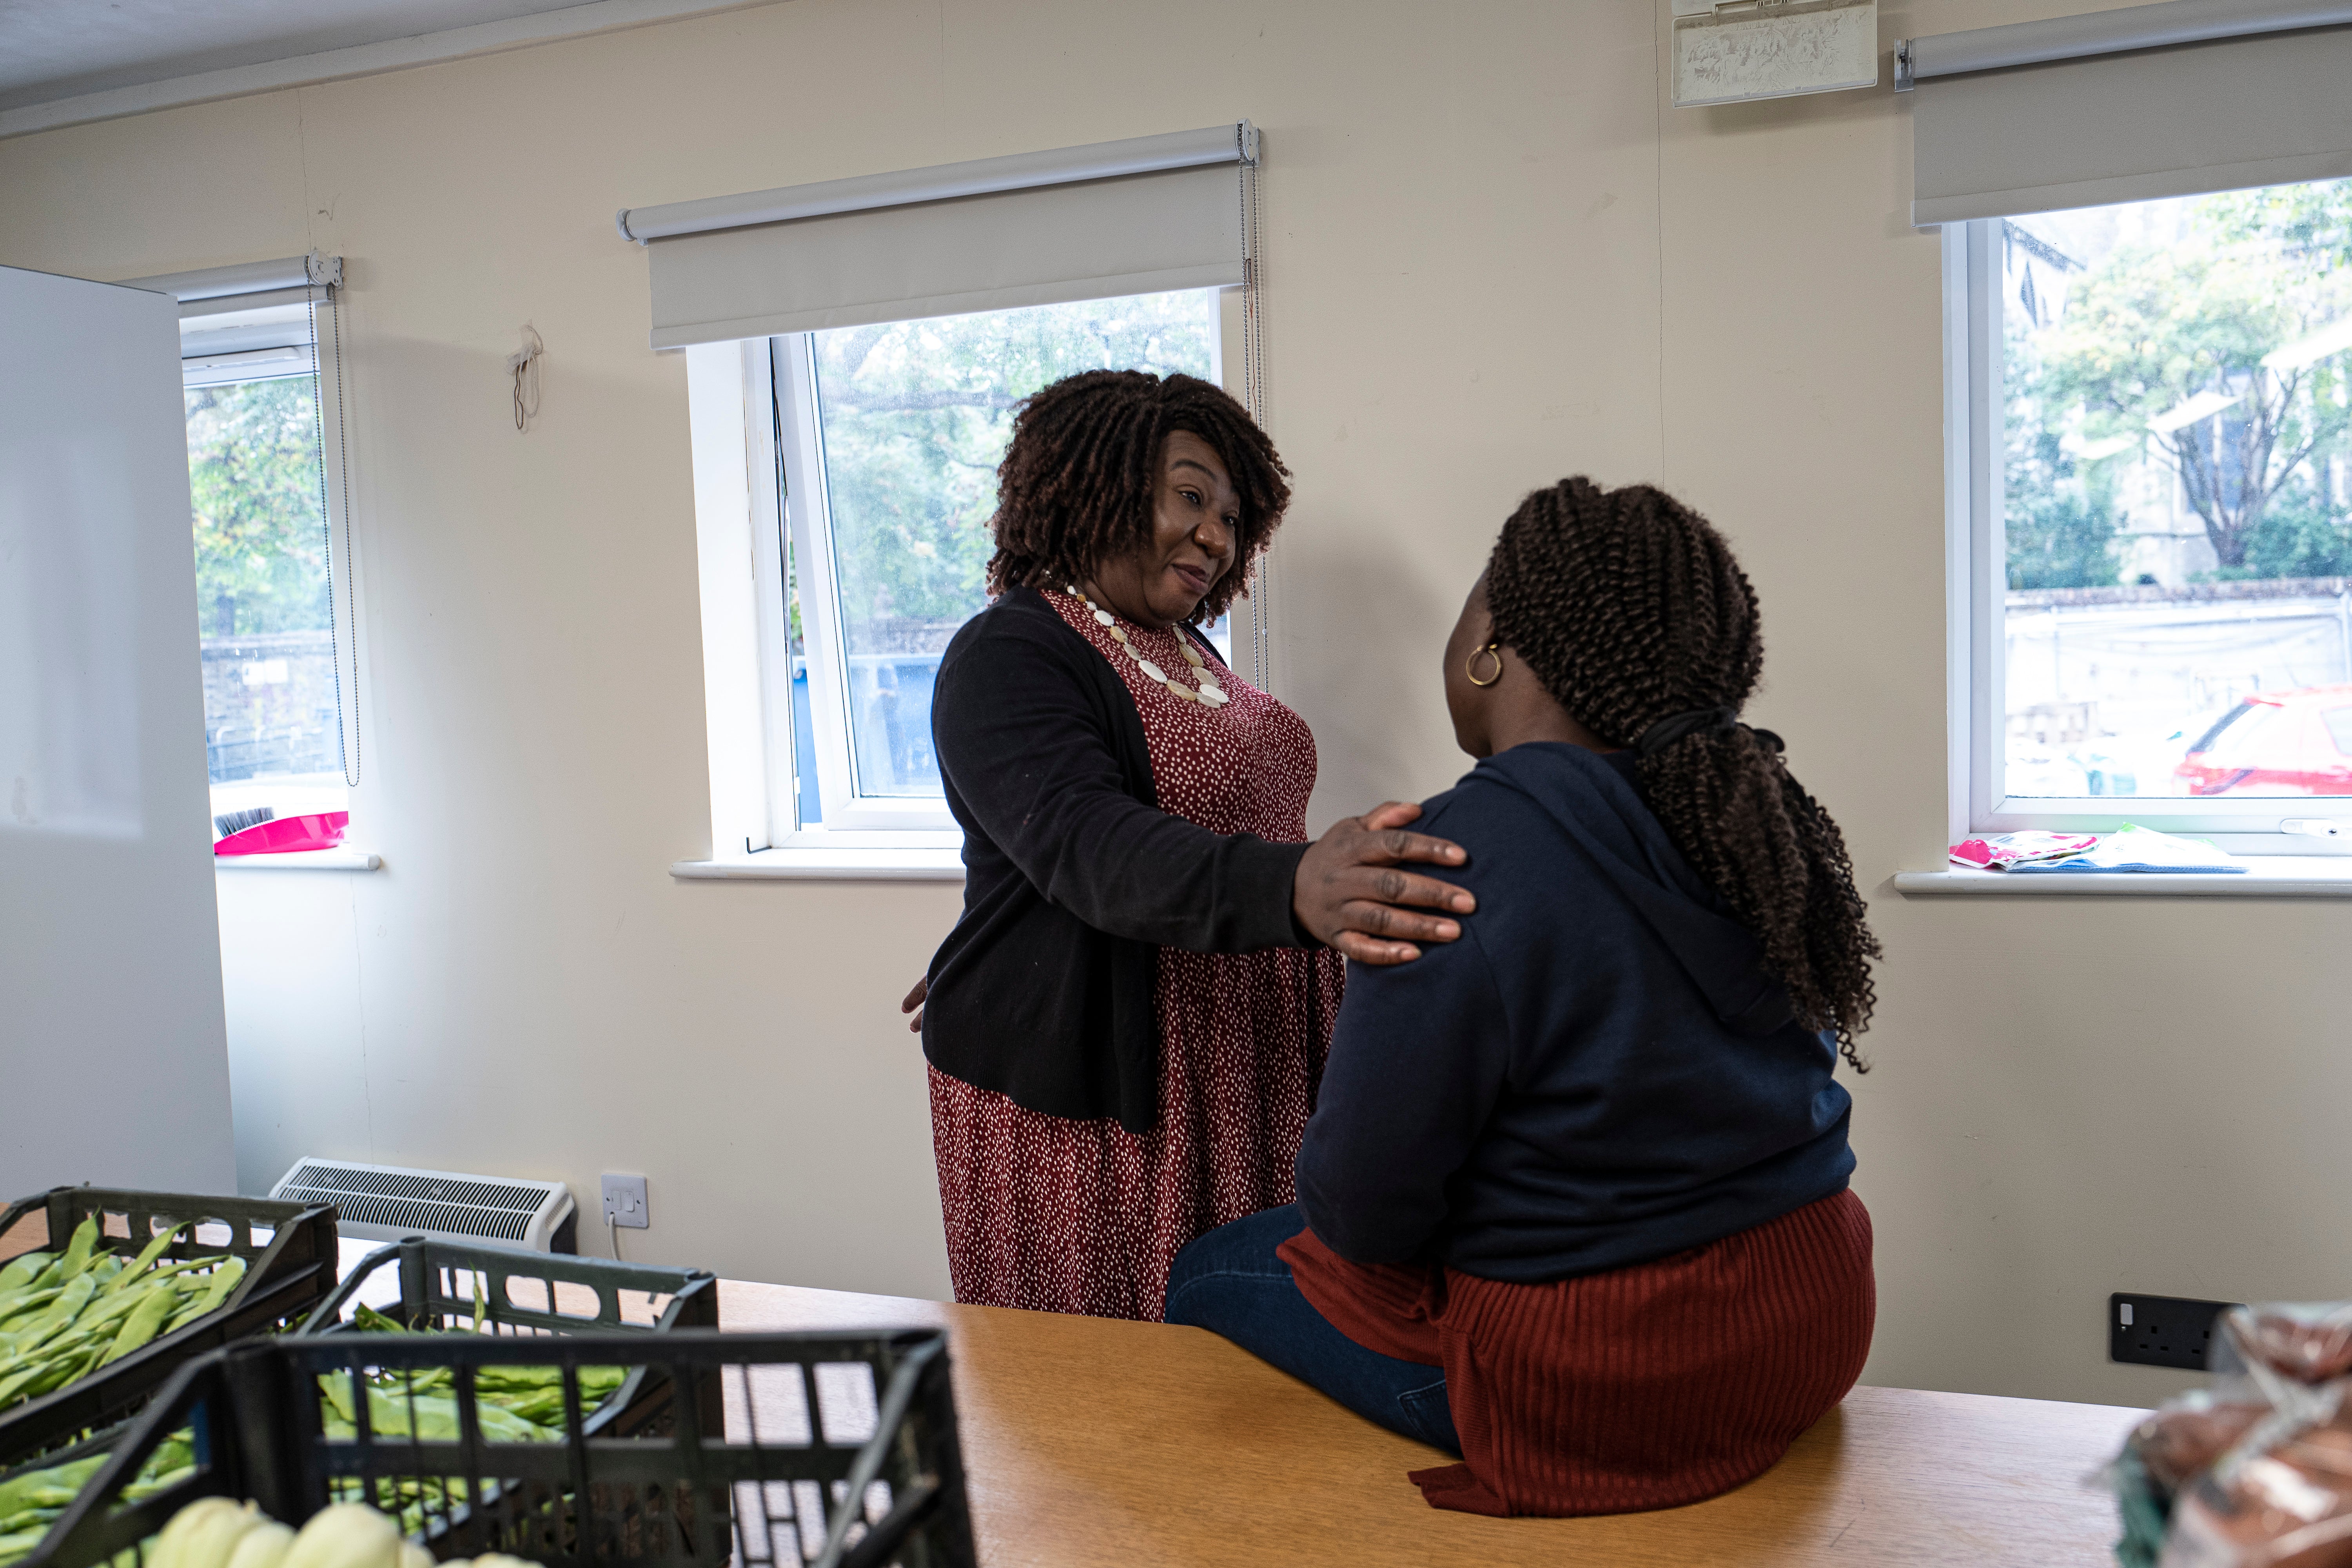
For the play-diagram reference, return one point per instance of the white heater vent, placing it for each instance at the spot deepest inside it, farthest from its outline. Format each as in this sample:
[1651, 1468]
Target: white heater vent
[385, 1203]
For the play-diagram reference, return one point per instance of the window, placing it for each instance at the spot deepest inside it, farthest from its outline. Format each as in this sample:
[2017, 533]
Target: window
[855, 350]
[887, 438]
[2152, 461]
[263, 618]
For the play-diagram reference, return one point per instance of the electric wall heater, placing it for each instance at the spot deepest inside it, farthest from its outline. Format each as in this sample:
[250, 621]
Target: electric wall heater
[386, 1203]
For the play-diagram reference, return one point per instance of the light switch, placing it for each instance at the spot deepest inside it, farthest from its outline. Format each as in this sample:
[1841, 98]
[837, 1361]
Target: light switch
[624, 1202]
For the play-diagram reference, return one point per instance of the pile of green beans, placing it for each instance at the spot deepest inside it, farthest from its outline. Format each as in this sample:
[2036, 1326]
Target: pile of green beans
[31, 1502]
[63, 1315]
[512, 1403]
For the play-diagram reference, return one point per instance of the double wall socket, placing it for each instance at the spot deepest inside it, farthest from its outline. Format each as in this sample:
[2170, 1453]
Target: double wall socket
[2161, 1331]
[624, 1202]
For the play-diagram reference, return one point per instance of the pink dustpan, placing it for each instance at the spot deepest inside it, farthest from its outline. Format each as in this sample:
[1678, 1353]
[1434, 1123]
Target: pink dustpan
[320, 830]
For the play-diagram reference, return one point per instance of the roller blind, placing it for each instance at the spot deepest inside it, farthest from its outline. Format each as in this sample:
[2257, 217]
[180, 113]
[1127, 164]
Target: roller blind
[248, 286]
[227, 313]
[1138, 217]
[2129, 105]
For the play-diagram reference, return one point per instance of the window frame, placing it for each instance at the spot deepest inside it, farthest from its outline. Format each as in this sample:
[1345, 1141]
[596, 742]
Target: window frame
[759, 492]
[244, 355]
[808, 528]
[1976, 579]
[740, 531]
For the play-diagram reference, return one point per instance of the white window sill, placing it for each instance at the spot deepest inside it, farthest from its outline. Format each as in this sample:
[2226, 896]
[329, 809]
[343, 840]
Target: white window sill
[935, 862]
[342, 858]
[2265, 877]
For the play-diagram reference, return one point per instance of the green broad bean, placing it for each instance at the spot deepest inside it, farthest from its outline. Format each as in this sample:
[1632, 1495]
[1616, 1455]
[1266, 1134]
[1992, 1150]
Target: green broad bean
[23, 1269]
[79, 1249]
[144, 1320]
[155, 1249]
[375, 1323]
[144, 1487]
[24, 1302]
[106, 1309]
[20, 1545]
[436, 1418]
[68, 1303]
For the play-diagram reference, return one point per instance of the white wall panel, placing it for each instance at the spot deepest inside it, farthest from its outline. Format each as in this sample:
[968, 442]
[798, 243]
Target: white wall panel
[113, 1061]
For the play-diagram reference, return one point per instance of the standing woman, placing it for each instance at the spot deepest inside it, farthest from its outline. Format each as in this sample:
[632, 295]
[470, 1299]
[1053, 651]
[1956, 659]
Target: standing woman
[1126, 1028]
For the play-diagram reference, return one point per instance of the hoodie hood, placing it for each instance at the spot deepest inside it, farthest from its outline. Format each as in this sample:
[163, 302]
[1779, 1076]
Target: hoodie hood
[1595, 800]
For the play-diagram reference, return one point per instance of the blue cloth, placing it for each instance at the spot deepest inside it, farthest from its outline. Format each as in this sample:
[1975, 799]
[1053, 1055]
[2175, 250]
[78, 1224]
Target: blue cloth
[1231, 1283]
[2085, 867]
[1603, 1071]
[2132, 848]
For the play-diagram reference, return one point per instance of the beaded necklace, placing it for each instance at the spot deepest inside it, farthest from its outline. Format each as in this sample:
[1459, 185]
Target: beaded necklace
[1211, 695]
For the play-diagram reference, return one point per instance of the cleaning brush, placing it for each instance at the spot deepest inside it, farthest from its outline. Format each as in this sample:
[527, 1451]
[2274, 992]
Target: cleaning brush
[230, 822]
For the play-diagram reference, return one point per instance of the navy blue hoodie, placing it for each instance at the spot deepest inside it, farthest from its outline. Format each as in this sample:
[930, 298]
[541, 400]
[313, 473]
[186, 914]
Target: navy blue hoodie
[1601, 1071]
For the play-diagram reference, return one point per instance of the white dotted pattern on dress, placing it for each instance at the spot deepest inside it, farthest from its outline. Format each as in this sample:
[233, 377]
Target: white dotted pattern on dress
[1063, 1215]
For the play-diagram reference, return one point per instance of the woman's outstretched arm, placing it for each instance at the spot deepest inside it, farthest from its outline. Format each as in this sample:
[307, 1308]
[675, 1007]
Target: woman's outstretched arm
[1028, 761]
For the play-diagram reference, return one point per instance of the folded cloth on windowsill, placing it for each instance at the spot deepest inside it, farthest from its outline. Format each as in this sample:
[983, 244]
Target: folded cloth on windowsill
[2134, 849]
[2006, 851]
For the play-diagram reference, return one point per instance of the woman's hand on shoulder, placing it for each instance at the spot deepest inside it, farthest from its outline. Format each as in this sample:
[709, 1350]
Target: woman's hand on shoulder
[1350, 895]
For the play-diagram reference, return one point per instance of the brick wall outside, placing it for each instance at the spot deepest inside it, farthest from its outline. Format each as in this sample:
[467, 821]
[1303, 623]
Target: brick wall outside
[270, 704]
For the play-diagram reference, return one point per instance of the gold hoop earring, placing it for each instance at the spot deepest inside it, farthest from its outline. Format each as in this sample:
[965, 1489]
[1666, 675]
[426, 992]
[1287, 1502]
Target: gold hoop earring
[1470, 664]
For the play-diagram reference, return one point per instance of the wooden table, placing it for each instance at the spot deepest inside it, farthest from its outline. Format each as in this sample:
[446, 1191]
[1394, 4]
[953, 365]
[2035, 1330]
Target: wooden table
[1094, 1442]
[1090, 1442]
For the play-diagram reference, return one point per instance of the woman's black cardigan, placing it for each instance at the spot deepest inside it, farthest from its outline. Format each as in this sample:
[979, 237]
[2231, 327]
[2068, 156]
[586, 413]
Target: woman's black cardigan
[1073, 875]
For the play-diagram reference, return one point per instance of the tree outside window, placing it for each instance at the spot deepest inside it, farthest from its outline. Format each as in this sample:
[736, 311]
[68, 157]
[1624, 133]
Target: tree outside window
[914, 418]
[270, 727]
[2177, 507]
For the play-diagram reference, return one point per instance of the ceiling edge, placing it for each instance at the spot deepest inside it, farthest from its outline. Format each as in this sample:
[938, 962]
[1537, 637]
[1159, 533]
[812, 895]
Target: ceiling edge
[359, 60]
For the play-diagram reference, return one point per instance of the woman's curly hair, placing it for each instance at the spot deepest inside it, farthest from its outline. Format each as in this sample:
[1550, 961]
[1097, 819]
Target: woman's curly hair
[1629, 607]
[1075, 484]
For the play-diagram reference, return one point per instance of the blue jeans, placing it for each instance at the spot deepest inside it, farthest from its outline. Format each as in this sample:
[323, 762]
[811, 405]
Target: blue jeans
[1231, 1283]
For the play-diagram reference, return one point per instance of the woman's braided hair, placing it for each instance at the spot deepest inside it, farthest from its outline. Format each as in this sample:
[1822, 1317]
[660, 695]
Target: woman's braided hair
[1075, 484]
[1628, 606]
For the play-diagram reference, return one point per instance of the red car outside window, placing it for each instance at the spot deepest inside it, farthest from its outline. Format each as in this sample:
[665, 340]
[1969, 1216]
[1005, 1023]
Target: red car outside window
[2277, 742]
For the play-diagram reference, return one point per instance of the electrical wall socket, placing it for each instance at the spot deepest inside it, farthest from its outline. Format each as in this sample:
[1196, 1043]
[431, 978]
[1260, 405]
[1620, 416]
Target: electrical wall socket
[624, 1202]
[2162, 1330]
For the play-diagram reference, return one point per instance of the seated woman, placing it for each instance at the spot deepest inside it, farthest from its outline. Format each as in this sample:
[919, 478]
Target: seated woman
[1573, 1203]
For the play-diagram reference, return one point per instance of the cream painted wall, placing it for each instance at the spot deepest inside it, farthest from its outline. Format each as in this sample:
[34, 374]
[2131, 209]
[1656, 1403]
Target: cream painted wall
[1494, 257]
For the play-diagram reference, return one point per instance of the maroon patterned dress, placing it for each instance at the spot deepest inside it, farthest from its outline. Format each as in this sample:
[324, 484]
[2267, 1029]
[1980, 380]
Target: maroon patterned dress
[1064, 1216]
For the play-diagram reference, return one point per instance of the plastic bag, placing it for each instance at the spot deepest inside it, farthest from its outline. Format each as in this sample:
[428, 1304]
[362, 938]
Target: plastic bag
[2304, 1341]
[2278, 1504]
[2256, 1471]
[2181, 1441]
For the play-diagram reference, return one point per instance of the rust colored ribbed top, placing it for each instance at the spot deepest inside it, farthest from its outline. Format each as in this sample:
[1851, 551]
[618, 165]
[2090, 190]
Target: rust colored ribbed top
[1642, 1388]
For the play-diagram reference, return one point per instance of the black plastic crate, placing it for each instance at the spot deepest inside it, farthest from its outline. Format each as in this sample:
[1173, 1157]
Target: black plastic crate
[285, 1278]
[437, 1286]
[438, 1289]
[432, 1294]
[834, 1449]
